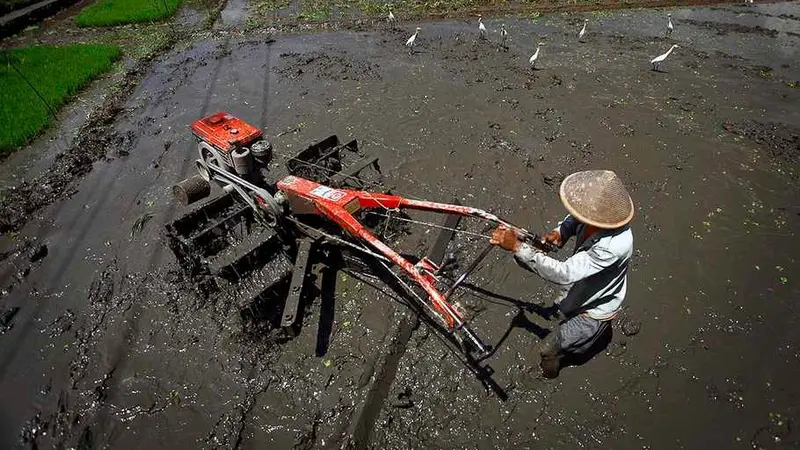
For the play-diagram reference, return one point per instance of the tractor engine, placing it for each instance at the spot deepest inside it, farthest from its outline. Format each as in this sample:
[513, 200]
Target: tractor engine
[231, 143]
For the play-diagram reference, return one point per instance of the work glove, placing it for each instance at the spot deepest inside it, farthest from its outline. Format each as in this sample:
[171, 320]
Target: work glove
[553, 237]
[506, 239]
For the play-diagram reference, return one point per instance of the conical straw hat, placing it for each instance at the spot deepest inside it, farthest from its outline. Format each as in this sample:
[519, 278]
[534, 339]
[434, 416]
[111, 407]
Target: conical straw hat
[597, 197]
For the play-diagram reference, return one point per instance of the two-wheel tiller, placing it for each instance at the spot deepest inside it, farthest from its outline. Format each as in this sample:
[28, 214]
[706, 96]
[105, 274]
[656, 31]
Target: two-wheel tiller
[320, 202]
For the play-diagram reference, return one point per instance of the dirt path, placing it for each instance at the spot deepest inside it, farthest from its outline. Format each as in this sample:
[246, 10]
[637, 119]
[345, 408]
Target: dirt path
[108, 348]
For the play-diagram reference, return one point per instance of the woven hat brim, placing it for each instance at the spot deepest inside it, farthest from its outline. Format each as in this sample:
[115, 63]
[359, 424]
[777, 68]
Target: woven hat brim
[575, 212]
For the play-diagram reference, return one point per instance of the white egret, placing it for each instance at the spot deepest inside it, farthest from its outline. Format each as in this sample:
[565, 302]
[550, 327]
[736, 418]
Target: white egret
[481, 27]
[670, 28]
[391, 16]
[583, 30]
[656, 62]
[410, 41]
[503, 35]
[535, 56]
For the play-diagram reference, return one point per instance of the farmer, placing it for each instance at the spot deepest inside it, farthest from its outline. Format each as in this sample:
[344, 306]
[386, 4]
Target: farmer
[593, 280]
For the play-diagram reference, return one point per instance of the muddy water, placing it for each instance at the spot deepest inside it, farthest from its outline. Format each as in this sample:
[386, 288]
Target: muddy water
[110, 348]
[232, 15]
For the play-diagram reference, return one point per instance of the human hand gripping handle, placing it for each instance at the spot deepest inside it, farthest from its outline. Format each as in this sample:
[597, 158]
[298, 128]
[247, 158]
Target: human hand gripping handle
[512, 239]
[506, 239]
[554, 238]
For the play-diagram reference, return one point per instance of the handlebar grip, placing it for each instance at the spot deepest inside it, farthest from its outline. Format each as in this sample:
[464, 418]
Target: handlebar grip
[537, 241]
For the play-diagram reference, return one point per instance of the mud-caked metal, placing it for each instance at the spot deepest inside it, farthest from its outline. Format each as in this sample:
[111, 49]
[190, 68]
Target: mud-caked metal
[238, 246]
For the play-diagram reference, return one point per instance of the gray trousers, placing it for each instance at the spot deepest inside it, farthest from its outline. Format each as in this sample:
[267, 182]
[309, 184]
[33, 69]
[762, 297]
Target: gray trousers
[575, 336]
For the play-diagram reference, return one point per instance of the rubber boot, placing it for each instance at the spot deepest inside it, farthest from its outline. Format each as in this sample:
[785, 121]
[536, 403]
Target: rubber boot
[551, 365]
[550, 352]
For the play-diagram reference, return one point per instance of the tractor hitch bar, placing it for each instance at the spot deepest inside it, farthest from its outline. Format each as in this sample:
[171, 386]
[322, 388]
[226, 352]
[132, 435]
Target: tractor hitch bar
[338, 205]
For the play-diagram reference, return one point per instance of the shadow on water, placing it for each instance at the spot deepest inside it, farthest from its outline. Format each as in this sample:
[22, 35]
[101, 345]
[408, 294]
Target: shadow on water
[481, 371]
[548, 313]
[263, 314]
[519, 320]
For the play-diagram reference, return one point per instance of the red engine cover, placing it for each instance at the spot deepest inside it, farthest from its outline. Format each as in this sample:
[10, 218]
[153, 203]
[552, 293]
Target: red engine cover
[225, 132]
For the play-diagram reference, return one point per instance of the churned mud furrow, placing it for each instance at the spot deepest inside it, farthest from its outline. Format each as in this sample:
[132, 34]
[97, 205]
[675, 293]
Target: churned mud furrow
[384, 377]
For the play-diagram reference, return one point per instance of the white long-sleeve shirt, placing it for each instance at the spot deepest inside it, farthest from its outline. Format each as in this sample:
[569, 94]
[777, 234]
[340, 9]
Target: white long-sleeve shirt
[594, 279]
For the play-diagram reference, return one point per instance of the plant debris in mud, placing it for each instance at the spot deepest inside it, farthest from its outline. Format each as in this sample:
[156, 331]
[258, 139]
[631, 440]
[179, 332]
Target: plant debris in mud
[7, 318]
[140, 223]
[726, 28]
[327, 67]
[357, 13]
[19, 262]
[18, 203]
[782, 141]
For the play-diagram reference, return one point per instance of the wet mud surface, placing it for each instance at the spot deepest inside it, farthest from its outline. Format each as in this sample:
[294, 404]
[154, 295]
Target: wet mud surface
[97, 139]
[103, 342]
[782, 141]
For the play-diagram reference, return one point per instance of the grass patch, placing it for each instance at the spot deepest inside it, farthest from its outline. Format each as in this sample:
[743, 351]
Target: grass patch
[265, 6]
[325, 9]
[56, 72]
[424, 6]
[200, 4]
[105, 13]
[450, 5]
[602, 12]
[140, 42]
[317, 9]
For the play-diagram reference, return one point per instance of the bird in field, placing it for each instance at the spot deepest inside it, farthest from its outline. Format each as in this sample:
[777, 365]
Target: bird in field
[670, 28]
[535, 56]
[391, 16]
[410, 41]
[503, 35]
[481, 28]
[656, 62]
[583, 30]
